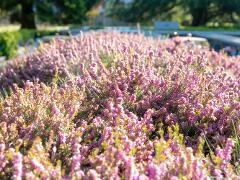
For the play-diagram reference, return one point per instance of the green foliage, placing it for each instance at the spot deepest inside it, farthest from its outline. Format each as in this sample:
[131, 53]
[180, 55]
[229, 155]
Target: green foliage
[62, 11]
[8, 44]
[25, 35]
[55, 11]
[9, 41]
[142, 11]
[201, 11]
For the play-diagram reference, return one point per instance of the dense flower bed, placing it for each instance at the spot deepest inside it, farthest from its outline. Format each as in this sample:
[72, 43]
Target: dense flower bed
[115, 106]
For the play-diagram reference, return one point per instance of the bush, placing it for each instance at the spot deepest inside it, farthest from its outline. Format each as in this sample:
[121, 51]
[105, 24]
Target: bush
[8, 44]
[115, 106]
[9, 41]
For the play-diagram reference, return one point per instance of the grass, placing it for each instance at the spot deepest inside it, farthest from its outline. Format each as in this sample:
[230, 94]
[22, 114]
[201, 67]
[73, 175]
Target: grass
[9, 28]
[12, 27]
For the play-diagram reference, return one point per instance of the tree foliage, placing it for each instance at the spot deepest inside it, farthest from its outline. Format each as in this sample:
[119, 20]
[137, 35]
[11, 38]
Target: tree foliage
[201, 11]
[141, 10]
[64, 11]
[53, 11]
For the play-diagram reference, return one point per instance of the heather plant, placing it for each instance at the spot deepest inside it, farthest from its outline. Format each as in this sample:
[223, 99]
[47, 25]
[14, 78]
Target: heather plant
[115, 106]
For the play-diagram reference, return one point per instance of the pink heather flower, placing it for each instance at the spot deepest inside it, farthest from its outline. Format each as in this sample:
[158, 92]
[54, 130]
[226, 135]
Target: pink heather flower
[93, 70]
[110, 106]
[28, 84]
[117, 91]
[132, 98]
[142, 177]
[162, 170]
[3, 159]
[93, 175]
[76, 162]
[217, 173]
[136, 56]
[97, 121]
[2, 147]
[76, 145]
[174, 178]
[80, 81]
[17, 166]
[114, 108]
[53, 173]
[225, 154]
[151, 53]
[55, 110]
[175, 147]
[131, 172]
[78, 174]
[148, 115]
[120, 100]
[122, 156]
[29, 175]
[107, 133]
[38, 166]
[152, 171]
[198, 171]
[62, 137]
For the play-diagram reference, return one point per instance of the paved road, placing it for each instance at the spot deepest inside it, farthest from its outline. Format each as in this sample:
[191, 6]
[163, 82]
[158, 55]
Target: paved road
[183, 32]
[219, 37]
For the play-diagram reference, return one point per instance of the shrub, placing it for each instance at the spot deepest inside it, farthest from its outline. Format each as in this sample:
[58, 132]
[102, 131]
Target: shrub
[8, 44]
[109, 105]
[9, 41]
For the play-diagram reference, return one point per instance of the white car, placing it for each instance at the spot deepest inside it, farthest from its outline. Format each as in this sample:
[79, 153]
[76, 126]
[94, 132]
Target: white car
[196, 41]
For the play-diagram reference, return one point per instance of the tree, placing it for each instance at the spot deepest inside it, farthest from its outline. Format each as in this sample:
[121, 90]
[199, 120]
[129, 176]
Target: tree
[64, 11]
[57, 11]
[141, 10]
[201, 11]
[61, 11]
[229, 10]
[27, 17]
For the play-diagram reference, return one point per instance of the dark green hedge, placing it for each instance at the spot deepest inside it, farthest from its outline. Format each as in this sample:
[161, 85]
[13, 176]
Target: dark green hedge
[9, 41]
[9, 44]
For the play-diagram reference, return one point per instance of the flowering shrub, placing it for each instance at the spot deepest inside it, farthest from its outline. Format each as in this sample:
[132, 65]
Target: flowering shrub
[115, 106]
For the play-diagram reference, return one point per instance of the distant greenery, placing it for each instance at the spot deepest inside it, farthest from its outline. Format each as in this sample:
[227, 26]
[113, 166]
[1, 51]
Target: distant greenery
[187, 12]
[8, 44]
[10, 40]
[53, 11]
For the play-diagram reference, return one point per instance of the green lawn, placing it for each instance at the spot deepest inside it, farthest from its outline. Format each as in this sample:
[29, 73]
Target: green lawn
[4, 28]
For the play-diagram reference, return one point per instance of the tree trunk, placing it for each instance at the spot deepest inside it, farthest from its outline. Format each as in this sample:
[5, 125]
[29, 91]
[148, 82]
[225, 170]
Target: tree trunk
[27, 15]
[200, 17]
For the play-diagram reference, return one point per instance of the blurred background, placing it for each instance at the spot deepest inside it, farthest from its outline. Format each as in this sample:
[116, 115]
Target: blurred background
[24, 24]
